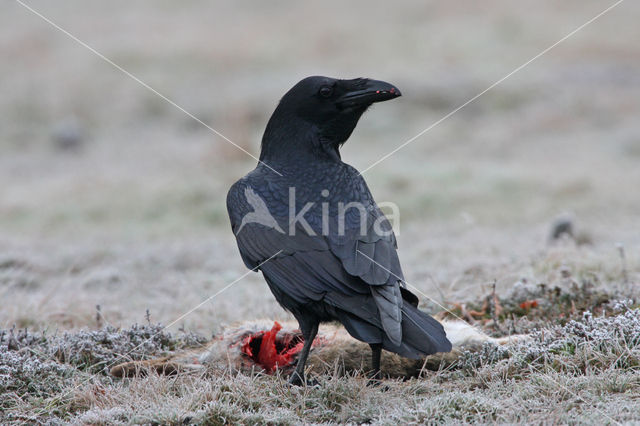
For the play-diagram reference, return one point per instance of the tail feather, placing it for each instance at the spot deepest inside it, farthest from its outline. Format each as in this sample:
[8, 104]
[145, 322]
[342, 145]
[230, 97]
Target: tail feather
[389, 302]
[420, 324]
[421, 335]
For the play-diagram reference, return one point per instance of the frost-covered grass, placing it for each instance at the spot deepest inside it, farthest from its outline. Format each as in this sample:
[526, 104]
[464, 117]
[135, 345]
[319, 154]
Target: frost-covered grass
[42, 370]
[590, 344]
[586, 371]
[581, 365]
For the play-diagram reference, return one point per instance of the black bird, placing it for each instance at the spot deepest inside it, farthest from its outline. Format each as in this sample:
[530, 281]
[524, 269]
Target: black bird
[308, 221]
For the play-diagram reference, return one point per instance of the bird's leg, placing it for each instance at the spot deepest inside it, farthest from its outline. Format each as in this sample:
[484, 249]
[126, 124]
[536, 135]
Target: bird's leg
[297, 378]
[376, 354]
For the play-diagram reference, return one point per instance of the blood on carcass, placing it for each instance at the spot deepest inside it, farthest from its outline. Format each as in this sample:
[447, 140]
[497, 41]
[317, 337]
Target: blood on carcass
[271, 351]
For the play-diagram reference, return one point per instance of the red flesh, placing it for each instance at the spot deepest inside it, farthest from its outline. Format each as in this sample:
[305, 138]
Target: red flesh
[268, 356]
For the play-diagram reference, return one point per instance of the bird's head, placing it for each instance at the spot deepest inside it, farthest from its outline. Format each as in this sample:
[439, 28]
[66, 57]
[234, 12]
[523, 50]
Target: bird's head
[328, 107]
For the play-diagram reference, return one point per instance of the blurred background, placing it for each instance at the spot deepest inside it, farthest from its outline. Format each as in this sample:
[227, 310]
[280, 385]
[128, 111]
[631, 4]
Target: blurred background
[111, 196]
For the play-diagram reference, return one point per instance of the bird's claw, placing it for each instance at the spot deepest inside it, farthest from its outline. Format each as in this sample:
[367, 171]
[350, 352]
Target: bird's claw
[297, 380]
[375, 380]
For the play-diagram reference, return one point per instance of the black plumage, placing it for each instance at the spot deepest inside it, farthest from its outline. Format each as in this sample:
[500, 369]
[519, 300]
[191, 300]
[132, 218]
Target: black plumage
[333, 260]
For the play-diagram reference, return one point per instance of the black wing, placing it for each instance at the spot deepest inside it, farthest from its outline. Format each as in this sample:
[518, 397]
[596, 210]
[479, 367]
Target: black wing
[359, 274]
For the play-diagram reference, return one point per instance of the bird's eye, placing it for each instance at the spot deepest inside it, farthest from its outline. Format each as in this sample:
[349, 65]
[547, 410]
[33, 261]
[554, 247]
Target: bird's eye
[326, 91]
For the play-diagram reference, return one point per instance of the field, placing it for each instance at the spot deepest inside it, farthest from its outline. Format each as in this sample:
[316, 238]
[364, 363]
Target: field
[113, 218]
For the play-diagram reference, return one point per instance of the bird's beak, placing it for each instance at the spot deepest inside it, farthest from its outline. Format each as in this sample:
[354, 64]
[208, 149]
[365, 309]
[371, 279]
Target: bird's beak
[373, 91]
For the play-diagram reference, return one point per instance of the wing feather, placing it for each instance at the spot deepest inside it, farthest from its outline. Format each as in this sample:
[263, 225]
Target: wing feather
[358, 274]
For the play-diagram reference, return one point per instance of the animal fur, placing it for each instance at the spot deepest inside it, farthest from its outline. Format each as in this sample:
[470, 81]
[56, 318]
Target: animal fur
[334, 352]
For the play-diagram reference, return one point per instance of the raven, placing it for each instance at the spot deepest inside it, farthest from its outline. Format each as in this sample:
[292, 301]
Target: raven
[308, 221]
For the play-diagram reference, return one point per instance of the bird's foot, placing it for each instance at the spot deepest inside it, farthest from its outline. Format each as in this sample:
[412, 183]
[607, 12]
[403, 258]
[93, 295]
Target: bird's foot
[375, 380]
[375, 375]
[299, 380]
[296, 380]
